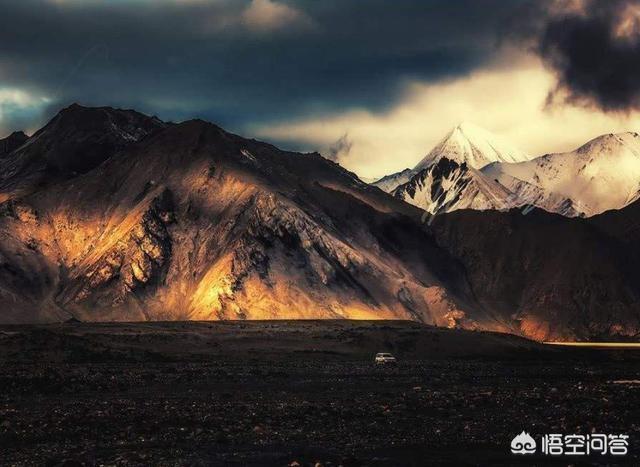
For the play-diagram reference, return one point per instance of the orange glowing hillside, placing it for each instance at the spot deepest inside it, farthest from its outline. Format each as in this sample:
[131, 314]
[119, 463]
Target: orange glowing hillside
[190, 222]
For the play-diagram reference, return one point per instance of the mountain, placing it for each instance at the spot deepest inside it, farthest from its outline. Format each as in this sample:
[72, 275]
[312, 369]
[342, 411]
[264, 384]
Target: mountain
[525, 194]
[601, 175]
[389, 183]
[448, 178]
[448, 185]
[187, 221]
[75, 141]
[484, 183]
[466, 143]
[474, 146]
[12, 142]
[547, 276]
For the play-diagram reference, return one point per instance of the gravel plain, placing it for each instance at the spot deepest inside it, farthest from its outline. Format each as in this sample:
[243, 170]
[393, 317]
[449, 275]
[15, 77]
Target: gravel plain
[300, 394]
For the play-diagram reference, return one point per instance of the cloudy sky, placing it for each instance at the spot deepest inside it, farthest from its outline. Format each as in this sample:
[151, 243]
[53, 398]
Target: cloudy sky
[371, 83]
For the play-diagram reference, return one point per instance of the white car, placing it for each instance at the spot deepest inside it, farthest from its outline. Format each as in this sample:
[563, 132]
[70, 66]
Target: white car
[384, 358]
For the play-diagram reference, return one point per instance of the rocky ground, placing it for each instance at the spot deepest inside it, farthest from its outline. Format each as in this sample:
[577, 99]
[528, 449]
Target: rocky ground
[299, 393]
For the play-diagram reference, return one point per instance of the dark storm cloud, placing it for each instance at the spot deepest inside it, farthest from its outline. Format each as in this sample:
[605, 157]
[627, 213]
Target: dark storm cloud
[208, 59]
[594, 48]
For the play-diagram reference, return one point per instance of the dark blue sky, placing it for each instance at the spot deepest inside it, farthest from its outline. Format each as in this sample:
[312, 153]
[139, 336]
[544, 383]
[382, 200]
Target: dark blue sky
[341, 76]
[235, 62]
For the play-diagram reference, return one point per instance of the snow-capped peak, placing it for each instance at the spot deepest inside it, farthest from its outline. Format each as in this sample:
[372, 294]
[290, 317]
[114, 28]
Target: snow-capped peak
[390, 182]
[471, 144]
[609, 144]
[600, 175]
[449, 185]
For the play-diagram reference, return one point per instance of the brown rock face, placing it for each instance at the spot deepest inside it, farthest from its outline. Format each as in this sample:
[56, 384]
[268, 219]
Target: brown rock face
[547, 276]
[75, 141]
[137, 262]
[190, 222]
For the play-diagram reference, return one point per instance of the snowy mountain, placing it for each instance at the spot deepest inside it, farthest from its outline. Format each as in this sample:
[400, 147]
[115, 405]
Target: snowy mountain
[465, 144]
[474, 146]
[448, 185]
[448, 178]
[389, 183]
[528, 194]
[601, 175]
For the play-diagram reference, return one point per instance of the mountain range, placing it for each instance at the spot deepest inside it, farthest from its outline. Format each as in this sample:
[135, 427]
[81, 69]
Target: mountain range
[483, 172]
[601, 175]
[111, 215]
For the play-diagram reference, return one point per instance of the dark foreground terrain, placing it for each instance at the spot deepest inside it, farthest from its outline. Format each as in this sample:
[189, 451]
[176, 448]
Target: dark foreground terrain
[306, 392]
